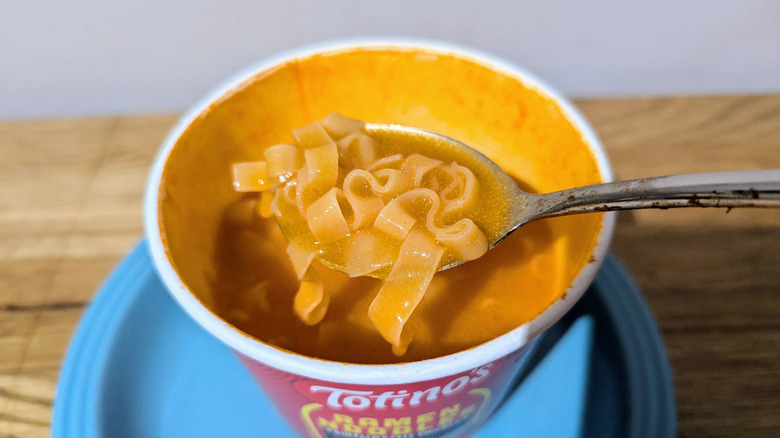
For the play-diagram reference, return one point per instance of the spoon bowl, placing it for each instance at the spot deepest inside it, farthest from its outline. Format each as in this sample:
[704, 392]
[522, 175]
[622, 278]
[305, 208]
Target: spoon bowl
[757, 188]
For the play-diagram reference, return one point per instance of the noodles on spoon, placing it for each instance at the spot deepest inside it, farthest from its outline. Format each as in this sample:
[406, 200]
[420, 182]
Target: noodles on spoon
[369, 207]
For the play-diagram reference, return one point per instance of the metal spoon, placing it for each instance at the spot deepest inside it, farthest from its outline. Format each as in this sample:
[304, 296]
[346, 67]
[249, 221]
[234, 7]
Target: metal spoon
[759, 188]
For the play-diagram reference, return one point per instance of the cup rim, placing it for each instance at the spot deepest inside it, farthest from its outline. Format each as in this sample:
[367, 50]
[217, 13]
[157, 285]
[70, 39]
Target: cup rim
[352, 373]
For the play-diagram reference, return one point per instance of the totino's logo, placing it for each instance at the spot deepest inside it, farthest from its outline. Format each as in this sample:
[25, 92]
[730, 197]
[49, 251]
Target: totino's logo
[355, 400]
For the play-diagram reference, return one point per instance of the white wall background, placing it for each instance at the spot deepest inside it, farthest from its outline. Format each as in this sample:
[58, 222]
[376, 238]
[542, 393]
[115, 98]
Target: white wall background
[95, 57]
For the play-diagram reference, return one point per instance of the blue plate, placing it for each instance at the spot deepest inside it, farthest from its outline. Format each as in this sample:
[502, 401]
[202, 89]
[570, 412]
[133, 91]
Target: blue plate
[139, 367]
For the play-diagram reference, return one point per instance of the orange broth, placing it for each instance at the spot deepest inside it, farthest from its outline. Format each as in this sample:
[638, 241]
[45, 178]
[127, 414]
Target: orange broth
[236, 263]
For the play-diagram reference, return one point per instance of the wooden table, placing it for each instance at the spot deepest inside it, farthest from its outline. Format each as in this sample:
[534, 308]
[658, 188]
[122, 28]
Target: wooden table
[70, 209]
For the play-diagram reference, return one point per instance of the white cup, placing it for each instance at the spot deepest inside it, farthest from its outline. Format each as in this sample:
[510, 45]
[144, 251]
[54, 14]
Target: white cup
[452, 394]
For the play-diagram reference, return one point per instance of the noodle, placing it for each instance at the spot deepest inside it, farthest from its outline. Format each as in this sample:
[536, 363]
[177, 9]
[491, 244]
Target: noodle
[394, 216]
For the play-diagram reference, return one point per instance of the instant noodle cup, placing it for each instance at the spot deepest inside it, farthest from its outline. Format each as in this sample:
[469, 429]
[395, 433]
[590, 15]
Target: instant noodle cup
[446, 385]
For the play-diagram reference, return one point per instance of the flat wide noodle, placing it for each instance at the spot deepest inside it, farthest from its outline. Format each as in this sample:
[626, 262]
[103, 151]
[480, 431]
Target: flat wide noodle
[367, 253]
[404, 288]
[264, 206]
[359, 150]
[311, 302]
[250, 177]
[284, 195]
[305, 193]
[339, 126]
[395, 183]
[326, 219]
[461, 193]
[393, 216]
[301, 258]
[398, 216]
[394, 220]
[311, 136]
[322, 164]
[365, 202]
[464, 238]
[283, 161]
[389, 161]
[418, 165]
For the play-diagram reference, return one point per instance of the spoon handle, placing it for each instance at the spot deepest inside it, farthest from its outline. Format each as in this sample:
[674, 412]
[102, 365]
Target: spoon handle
[758, 188]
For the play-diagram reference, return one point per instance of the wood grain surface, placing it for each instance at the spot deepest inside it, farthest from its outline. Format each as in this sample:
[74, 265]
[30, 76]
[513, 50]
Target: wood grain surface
[70, 209]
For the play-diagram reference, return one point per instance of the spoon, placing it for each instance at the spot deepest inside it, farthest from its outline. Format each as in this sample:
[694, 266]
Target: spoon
[758, 188]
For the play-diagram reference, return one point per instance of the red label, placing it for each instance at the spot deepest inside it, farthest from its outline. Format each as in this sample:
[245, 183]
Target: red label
[445, 407]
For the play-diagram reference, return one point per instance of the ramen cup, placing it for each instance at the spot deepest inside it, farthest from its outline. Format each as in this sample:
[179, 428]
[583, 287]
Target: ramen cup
[456, 91]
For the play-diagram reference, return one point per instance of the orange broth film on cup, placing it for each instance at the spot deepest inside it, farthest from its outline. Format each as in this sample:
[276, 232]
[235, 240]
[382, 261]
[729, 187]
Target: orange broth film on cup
[310, 335]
